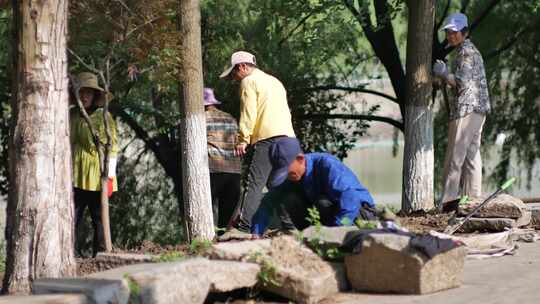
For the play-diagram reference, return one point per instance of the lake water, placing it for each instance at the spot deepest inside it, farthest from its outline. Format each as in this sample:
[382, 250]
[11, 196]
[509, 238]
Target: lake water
[381, 172]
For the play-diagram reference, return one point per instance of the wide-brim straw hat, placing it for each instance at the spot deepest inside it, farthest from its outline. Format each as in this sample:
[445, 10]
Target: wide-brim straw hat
[89, 80]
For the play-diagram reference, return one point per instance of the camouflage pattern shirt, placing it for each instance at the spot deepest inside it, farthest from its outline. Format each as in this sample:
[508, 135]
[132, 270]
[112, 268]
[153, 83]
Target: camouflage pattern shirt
[471, 91]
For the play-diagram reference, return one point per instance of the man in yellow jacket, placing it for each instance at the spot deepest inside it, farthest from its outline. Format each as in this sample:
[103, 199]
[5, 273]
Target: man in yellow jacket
[265, 118]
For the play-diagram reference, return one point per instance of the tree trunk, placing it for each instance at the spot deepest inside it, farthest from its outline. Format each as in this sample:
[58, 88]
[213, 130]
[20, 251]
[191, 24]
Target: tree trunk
[418, 154]
[39, 228]
[195, 175]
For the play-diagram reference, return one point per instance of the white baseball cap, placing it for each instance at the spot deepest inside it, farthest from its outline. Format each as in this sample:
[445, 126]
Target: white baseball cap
[455, 22]
[237, 58]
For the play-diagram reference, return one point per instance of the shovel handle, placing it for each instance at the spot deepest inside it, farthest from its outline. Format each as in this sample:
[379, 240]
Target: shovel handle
[508, 183]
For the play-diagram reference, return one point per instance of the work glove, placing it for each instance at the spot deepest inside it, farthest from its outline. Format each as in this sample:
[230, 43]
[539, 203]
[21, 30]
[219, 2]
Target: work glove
[440, 69]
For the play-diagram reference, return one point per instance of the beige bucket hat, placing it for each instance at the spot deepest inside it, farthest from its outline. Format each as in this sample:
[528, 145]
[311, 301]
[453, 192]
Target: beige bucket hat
[90, 80]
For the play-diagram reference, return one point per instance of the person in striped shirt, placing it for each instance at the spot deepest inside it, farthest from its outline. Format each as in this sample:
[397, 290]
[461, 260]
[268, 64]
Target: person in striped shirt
[224, 165]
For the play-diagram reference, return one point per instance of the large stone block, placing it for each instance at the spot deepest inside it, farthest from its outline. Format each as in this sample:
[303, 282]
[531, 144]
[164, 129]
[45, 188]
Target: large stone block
[299, 274]
[98, 291]
[157, 283]
[388, 263]
[488, 224]
[168, 283]
[502, 206]
[45, 299]
[226, 276]
[292, 270]
[330, 236]
[535, 215]
[238, 251]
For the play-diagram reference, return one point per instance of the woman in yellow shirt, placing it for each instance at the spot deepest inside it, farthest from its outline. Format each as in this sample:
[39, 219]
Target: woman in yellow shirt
[86, 167]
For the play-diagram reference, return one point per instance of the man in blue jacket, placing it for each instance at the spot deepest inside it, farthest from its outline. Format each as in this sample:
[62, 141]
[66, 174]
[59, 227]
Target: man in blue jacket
[300, 181]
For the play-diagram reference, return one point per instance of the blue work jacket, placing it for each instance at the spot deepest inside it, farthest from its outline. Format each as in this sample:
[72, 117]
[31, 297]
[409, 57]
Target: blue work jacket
[326, 176]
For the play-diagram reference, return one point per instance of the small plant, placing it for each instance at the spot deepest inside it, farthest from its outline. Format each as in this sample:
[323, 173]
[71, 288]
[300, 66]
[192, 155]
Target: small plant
[362, 224]
[134, 290]
[316, 243]
[333, 254]
[345, 221]
[267, 274]
[170, 256]
[199, 247]
[314, 218]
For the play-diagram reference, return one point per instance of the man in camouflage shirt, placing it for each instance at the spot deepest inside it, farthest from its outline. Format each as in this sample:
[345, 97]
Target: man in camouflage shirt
[467, 109]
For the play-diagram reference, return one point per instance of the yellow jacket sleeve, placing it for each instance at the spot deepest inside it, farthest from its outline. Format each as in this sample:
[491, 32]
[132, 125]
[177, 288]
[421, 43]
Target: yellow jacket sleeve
[248, 110]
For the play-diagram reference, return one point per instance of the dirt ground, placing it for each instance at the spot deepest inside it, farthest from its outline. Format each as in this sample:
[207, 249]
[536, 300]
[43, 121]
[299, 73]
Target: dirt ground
[86, 266]
[423, 222]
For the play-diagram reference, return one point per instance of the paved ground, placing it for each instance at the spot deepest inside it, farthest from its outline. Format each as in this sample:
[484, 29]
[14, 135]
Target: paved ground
[504, 280]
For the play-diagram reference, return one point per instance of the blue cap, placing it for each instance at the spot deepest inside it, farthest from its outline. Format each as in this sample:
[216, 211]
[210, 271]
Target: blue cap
[282, 153]
[455, 22]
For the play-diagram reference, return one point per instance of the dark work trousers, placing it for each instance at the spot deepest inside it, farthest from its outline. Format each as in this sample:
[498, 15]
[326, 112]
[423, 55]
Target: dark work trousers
[258, 169]
[225, 188]
[291, 204]
[92, 200]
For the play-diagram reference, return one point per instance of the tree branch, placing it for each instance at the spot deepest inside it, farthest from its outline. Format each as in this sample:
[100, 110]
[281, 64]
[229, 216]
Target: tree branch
[483, 15]
[396, 123]
[464, 5]
[81, 61]
[446, 8]
[349, 89]
[300, 23]
[508, 44]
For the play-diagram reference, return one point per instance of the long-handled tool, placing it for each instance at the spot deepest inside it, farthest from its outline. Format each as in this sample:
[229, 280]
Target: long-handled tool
[453, 228]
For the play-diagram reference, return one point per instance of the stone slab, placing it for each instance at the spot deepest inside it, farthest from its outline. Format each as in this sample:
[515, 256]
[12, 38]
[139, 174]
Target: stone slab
[125, 258]
[488, 224]
[331, 236]
[99, 291]
[45, 299]
[535, 215]
[502, 206]
[170, 283]
[238, 251]
[387, 263]
[298, 273]
[152, 283]
[226, 276]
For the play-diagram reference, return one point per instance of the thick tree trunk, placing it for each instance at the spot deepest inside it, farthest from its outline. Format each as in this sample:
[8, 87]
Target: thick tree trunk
[195, 175]
[39, 230]
[418, 154]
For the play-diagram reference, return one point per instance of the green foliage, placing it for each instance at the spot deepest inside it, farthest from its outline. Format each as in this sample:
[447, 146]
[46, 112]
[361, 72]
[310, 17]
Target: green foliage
[144, 209]
[199, 247]
[5, 96]
[362, 224]
[134, 290]
[314, 218]
[267, 274]
[171, 256]
[316, 243]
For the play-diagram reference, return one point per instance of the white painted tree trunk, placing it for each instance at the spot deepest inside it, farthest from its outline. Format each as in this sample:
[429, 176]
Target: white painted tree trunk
[418, 154]
[39, 229]
[195, 174]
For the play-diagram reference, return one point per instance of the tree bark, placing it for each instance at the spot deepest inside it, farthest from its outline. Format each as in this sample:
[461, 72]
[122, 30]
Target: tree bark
[195, 174]
[39, 228]
[418, 155]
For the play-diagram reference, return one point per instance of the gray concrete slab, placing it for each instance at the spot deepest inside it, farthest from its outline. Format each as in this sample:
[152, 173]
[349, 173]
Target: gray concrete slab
[45, 299]
[503, 280]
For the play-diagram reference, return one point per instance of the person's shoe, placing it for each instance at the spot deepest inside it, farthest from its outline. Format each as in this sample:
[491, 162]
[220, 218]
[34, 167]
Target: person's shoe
[236, 234]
